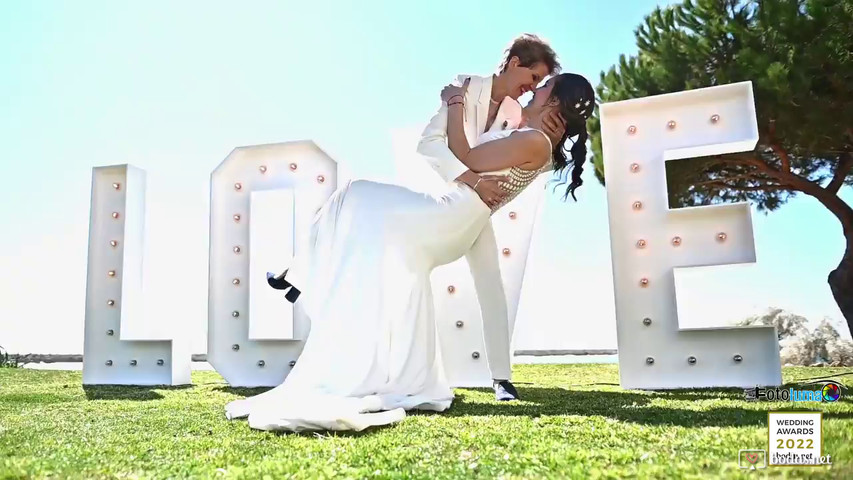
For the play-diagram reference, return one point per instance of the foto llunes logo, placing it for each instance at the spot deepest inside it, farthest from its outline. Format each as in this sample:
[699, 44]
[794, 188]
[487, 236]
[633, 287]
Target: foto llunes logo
[831, 391]
[816, 391]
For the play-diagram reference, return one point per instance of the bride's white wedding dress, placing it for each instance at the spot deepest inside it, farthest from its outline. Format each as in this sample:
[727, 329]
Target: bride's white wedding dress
[372, 350]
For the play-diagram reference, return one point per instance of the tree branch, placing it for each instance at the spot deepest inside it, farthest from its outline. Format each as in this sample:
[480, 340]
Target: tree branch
[845, 166]
[790, 180]
[765, 168]
[735, 159]
[746, 188]
[760, 165]
[731, 178]
[777, 148]
[783, 155]
[759, 188]
[831, 201]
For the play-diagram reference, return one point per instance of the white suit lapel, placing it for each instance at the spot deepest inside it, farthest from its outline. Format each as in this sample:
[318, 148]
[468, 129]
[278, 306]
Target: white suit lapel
[483, 104]
[477, 108]
[472, 97]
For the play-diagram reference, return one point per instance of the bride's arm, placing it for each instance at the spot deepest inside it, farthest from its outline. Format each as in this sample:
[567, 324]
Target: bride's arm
[528, 149]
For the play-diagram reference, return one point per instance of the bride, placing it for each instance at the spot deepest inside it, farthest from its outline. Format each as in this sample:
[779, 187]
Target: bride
[365, 284]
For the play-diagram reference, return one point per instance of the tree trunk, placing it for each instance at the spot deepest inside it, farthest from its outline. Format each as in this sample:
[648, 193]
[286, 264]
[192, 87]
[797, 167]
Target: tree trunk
[841, 283]
[841, 279]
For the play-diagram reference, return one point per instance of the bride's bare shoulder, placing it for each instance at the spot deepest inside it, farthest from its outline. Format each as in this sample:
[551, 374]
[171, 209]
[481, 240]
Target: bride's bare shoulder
[536, 145]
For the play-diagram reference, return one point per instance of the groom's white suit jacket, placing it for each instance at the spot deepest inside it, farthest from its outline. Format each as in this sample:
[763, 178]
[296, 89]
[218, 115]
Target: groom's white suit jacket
[483, 256]
[433, 143]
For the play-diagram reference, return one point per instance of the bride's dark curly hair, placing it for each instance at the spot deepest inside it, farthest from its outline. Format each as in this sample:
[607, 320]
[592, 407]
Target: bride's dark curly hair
[576, 99]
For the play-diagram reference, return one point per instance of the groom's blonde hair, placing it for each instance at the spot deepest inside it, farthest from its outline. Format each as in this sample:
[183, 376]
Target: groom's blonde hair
[531, 49]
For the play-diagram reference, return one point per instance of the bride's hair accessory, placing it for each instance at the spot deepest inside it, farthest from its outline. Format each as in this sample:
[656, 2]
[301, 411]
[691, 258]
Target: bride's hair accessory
[584, 108]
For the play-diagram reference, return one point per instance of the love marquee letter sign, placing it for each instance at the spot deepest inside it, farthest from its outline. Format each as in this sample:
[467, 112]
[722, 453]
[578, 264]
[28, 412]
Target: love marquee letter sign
[118, 348]
[263, 198]
[653, 245]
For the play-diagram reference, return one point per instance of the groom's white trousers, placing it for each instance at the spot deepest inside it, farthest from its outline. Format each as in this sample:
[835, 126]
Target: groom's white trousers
[484, 265]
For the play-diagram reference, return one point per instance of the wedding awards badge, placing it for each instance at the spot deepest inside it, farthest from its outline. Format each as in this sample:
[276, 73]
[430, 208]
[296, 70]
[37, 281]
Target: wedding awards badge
[795, 439]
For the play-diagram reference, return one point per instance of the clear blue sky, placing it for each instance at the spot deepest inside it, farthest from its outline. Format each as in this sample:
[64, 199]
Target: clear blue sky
[172, 87]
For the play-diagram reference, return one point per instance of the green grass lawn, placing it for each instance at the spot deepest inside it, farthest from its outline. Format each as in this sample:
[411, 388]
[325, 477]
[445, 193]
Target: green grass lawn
[574, 422]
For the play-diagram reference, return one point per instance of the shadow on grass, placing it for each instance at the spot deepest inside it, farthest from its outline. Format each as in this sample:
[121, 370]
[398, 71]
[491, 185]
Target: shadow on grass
[625, 406]
[844, 374]
[128, 392]
[733, 393]
[242, 391]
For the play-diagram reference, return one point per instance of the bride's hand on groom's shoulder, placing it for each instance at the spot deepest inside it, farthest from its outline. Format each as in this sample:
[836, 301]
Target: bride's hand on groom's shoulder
[450, 91]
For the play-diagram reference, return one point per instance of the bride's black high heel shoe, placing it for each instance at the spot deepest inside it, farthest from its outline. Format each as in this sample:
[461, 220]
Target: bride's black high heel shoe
[279, 283]
[292, 295]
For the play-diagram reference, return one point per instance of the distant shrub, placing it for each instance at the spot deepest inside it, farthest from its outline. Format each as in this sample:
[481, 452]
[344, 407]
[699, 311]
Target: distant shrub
[6, 361]
[801, 346]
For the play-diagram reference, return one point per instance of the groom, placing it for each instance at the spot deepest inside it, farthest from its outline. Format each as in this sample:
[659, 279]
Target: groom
[491, 103]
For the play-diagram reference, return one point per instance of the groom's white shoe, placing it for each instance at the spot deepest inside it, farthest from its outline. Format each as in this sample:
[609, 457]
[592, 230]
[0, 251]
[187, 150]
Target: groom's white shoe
[505, 391]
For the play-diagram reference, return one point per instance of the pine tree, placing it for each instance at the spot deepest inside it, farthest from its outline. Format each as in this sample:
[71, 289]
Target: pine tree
[799, 56]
